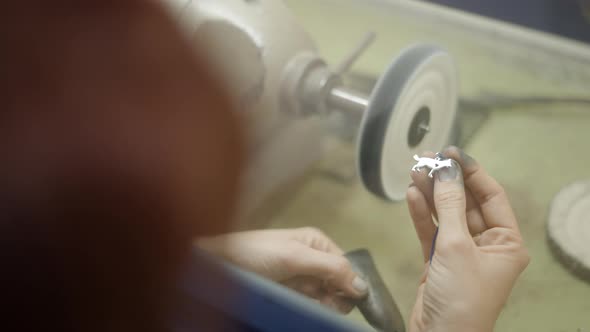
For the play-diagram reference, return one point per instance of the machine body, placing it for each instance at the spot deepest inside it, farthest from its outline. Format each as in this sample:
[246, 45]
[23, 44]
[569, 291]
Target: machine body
[251, 44]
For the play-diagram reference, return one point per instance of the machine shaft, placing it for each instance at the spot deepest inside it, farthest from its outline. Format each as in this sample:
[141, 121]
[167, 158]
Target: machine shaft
[348, 101]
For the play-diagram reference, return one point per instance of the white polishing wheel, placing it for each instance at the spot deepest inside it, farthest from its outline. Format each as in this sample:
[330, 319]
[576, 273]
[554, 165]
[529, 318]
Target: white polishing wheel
[411, 110]
[568, 228]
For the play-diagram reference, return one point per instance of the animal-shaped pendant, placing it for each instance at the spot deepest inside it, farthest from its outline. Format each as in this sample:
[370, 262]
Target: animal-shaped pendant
[435, 164]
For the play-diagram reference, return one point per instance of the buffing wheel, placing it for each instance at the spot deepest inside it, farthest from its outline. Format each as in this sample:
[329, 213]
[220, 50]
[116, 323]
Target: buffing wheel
[568, 228]
[412, 109]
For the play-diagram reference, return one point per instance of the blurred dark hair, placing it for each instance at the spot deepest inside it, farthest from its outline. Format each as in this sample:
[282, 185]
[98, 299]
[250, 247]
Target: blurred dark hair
[90, 236]
[91, 256]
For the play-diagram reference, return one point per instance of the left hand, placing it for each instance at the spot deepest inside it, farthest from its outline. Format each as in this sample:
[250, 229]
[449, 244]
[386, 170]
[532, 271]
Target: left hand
[479, 251]
[303, 259]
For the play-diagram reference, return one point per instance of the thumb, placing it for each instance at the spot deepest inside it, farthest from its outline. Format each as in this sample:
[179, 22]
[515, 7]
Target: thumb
[450, 202]
[333, 269]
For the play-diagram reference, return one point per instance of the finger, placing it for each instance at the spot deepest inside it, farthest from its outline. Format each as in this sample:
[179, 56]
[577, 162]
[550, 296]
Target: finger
[308, 286]
[418, 310]
[422, 218]
[316, 239]
[425, 183]
[335, 270]
[450, 203]
[424, 276]
[487, 192]
[337, 303]
[475, 219]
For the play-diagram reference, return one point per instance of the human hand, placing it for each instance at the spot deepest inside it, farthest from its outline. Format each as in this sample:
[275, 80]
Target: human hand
[303, 259]
[479, 251]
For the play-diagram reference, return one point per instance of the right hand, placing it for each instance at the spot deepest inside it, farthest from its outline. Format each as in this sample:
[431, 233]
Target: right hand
[479, 252]
[304, 259]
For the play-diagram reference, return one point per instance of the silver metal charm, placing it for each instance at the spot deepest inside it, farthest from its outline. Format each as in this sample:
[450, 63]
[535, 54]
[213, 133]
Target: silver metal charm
[439, 162]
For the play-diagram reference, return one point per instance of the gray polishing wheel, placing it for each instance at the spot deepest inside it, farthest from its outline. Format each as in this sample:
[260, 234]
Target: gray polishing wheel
[568, 228]
[412, 109]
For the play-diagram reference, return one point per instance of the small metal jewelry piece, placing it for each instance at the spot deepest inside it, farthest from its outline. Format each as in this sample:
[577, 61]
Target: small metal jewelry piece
[439, 162]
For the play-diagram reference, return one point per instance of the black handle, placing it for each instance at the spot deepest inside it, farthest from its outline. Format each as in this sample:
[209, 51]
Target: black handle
[378, 308]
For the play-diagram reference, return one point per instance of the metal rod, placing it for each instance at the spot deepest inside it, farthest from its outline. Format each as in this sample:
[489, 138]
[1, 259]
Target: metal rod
[356, 53]
[348, 101]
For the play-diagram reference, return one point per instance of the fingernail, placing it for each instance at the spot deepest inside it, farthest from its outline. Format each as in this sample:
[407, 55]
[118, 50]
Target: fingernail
[449, 173]
[467, 159]
[360, 285]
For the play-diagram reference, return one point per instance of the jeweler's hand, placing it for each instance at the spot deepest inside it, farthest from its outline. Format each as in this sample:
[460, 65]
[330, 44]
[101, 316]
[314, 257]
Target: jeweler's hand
[303, 259]
[479, 252]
